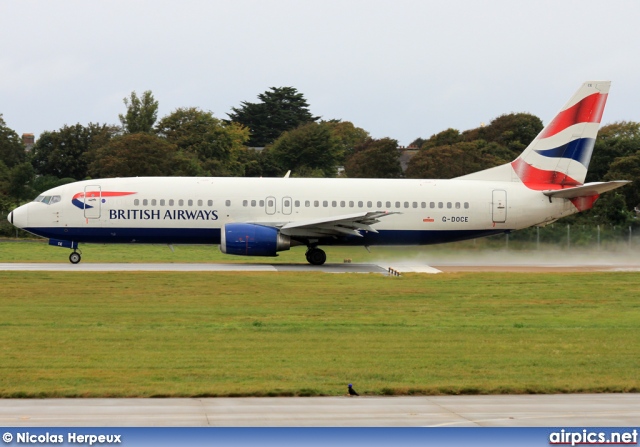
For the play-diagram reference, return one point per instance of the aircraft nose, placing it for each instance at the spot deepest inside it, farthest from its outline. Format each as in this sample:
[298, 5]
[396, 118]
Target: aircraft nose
[18, 217]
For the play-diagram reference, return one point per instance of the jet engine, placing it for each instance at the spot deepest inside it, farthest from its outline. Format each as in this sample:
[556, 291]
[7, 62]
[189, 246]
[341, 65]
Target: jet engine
[252, 240]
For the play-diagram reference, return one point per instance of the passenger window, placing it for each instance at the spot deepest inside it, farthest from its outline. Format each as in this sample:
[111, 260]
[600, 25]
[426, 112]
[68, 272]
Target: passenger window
[199, 202]
[171, 202]
[190, 202]
[432, 204]
[466, 205]
[161, 202]
[316, 203]
[342, 204]
[397, 204]
[423, 204]
[449, 205]
[245, 203]
[388, 205]
[406, 204]
[334, 203]
[209, 202]
[379, 204]
[181, 202]
[136, 202]
[415, 204]
[145, 202]
[440, 205]
[325, 203]
[226, 202]
[287, 203]
[153, 202]
[360, 204]
[270, 203]
[369, 204]
[351, 203]
[457, 205]
[253, 203]
[262, 204]
[307, 203]
[296, 204]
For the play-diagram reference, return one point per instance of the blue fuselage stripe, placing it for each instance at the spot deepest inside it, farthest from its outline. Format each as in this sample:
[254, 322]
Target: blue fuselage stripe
[212, 236]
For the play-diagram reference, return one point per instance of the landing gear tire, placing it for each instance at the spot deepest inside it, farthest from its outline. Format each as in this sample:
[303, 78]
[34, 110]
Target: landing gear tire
[75, 257]
[316, 256]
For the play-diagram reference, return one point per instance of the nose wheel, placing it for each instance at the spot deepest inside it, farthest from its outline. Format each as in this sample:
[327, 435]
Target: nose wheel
[75, 257]
[316, 256]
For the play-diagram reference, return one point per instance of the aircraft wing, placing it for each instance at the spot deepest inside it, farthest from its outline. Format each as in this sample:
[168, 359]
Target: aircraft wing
[590, 189]
[345, 225]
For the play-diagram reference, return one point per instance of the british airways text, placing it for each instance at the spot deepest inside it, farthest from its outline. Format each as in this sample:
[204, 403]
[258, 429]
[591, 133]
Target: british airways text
[163, 214]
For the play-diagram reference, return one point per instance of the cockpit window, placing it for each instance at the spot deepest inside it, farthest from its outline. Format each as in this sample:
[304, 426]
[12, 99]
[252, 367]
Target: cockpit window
[49, 200]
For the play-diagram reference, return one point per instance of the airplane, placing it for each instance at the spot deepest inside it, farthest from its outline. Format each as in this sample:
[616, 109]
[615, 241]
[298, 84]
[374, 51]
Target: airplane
[263, 216]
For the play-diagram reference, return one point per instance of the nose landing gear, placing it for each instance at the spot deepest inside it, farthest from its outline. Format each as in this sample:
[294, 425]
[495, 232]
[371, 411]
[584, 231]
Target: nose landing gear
[75, 257]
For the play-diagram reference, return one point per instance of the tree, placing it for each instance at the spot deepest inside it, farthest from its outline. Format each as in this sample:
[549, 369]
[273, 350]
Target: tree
[66, 153]
[11, 148]
[141, 113]
[610, 209]
[514, 131]
[311, 149]
[627, 168]
[619, 139]
[215, 143]
[349, 135]
[446, 137]
[375, 159]
[451, 161]
[281, 109]
[20, 178]
[141, 154]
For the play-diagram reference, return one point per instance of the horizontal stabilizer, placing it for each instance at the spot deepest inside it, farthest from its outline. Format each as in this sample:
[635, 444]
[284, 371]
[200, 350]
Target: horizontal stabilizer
[590, 189]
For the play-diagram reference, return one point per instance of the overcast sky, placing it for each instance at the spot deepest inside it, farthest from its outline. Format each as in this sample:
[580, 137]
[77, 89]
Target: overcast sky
[398, 68]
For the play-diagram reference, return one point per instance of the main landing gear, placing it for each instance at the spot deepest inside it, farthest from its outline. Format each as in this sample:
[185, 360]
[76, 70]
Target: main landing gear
[75, 257]
[316, 256]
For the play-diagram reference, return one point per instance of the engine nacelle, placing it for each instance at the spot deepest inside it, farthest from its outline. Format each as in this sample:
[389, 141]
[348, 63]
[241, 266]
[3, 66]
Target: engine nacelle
[252, 240]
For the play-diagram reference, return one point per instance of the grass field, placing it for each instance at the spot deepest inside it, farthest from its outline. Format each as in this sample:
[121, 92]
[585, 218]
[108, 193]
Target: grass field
[38, 250]
[474, 251]
[254, 334]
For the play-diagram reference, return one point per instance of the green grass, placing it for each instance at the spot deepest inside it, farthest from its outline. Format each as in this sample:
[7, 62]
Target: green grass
[479, 250]
[38, 250]
[257, 334]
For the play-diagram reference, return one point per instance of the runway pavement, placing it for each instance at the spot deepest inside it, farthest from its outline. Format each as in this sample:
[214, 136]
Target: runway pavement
[184, 267]
[382, 268]
[566, 410]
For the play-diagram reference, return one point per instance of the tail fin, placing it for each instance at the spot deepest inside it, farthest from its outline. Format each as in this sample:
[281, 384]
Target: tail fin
[559, 156]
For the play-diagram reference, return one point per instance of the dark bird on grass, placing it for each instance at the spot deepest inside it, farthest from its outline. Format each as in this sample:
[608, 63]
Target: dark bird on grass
[352, 392]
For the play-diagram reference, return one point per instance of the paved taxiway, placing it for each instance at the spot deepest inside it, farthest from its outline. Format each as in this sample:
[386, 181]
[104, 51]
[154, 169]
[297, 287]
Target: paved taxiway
[567, 410]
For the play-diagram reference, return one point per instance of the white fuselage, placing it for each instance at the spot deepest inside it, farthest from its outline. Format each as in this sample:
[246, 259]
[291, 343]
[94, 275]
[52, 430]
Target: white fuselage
[194, 209]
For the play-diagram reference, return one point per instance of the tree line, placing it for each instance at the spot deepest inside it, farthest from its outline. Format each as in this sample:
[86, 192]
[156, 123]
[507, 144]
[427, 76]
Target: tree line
[279, 133]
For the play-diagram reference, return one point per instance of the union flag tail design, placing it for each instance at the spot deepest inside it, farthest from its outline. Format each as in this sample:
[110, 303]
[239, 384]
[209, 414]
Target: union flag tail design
[559, 156]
